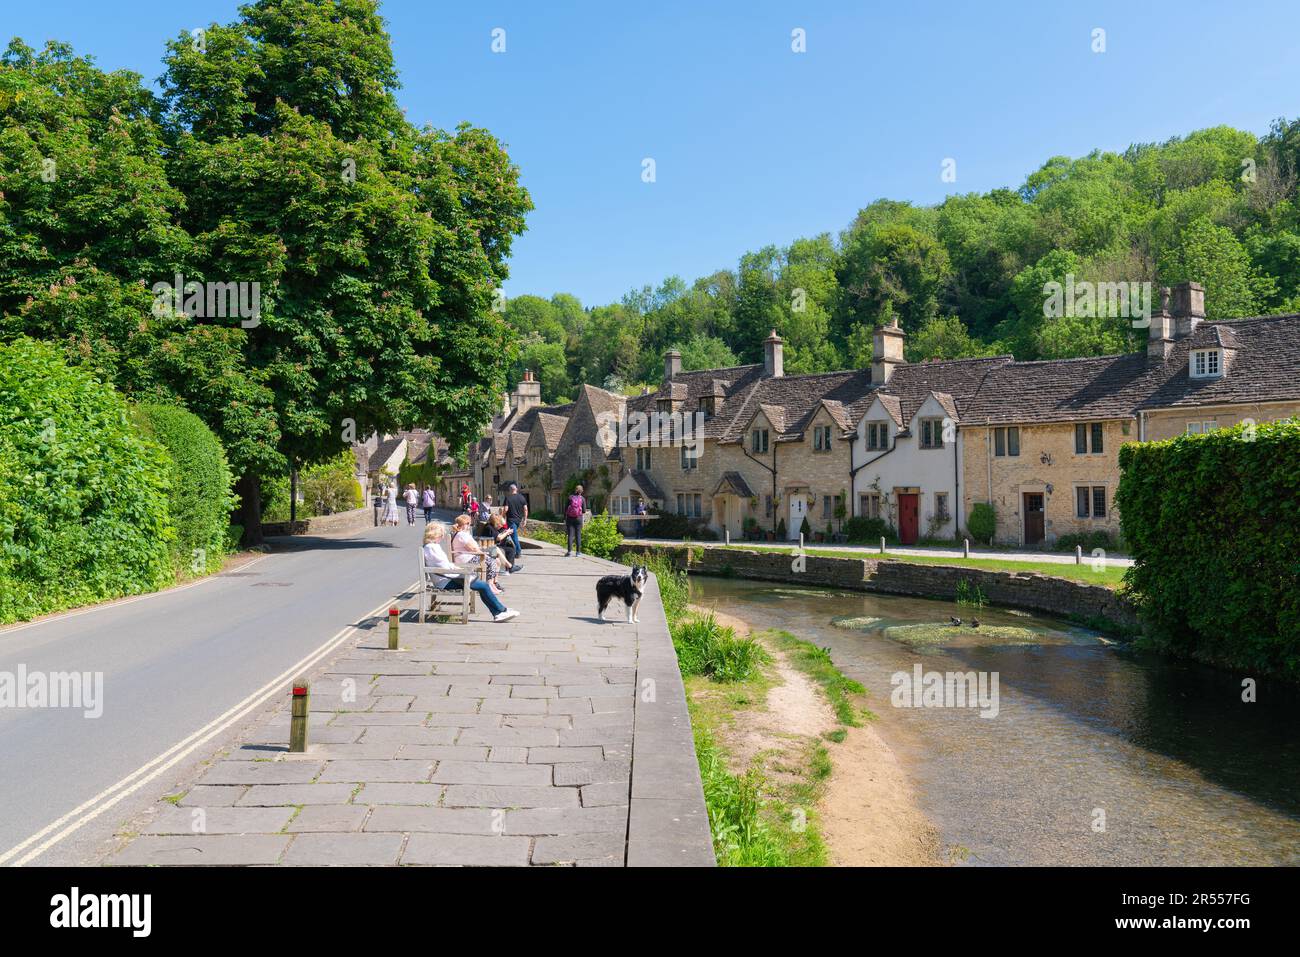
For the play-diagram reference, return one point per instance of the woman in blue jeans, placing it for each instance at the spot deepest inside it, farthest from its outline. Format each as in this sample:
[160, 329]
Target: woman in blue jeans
[436, 560]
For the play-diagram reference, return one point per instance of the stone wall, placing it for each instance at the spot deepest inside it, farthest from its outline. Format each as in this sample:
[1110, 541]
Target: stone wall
[1047, 457]
[1171, 423]
[1062, 597]
[353, 521]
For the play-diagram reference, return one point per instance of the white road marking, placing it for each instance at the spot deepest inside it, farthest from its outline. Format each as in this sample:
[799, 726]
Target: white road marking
[111, 795]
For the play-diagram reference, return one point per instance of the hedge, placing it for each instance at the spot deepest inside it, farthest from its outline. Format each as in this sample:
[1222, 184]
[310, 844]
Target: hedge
[201, 497]
[1212, 524]
[83, 495]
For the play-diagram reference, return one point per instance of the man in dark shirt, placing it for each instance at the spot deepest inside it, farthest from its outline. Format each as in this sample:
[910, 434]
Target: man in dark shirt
[516, 514]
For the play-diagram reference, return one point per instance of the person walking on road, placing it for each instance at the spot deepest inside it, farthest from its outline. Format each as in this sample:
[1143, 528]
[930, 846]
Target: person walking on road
[390, 505]
[427, 503]
[573, 513]
[516, 514]
[412, 499]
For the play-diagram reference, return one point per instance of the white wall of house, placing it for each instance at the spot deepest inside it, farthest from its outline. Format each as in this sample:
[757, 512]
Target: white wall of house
[934, 472]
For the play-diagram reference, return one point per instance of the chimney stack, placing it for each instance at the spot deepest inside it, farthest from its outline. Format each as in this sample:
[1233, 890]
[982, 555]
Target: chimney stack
[528, 393]
[1160, 335]
[773, 356]
[1187, 307]
[672, 364]
[886, 351]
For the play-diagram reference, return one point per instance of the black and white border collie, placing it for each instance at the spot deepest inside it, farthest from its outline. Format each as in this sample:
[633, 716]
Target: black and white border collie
[630, 588]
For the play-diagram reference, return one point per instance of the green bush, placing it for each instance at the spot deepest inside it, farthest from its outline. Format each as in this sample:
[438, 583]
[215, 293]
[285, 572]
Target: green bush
[862, 530]
[982, 523]
[678, 527]
[1086, 540]
[600, 536]
[1212, 525]
[674, 586]
[83, 495]
[706, 648]
[201, 498]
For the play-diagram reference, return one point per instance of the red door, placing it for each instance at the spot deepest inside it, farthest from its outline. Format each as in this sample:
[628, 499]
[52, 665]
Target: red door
[908, 518]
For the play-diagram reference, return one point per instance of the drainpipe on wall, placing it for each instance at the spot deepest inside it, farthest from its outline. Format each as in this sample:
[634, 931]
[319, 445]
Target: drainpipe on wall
[772, 469]
[956, 487]
[988, 457]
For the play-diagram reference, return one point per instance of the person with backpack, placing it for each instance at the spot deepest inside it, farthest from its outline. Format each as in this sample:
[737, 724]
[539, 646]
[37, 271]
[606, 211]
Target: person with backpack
[573, 513]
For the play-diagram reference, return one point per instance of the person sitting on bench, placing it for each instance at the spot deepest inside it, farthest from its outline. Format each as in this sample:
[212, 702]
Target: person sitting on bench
[436, 560]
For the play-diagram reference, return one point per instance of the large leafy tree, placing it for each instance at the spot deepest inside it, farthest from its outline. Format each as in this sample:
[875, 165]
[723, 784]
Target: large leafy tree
[377, 246]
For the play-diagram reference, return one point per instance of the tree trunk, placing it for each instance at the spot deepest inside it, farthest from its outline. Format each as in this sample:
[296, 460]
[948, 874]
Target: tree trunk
[249, 488]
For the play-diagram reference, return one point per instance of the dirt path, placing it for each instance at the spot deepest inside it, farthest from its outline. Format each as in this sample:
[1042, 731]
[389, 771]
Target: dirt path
[869, 814]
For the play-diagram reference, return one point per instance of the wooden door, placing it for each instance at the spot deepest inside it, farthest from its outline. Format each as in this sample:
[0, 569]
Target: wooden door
[1033, 518]
[909, 523]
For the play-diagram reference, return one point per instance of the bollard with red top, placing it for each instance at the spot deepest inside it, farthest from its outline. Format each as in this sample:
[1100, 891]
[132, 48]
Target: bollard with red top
[392, 629]
[298, 716]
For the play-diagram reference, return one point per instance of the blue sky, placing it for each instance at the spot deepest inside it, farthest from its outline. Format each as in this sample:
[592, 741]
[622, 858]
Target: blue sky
[755, 144]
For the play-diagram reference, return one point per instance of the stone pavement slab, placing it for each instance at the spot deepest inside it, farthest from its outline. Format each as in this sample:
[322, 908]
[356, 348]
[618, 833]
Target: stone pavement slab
[475, 745]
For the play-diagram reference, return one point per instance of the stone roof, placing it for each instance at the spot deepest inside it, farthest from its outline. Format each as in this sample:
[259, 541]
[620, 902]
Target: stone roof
[552, 427]
[1264, 365]
[384, 451]
[1061, 390]
[584, 428]
[646, 484]
[736, 482]
[957, 380]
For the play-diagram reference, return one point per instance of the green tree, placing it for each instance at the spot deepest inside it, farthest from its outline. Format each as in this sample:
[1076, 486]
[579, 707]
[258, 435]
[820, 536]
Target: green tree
[1212, 255]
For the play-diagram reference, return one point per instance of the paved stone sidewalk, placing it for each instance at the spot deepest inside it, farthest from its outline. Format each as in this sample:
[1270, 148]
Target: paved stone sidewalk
[549, 739]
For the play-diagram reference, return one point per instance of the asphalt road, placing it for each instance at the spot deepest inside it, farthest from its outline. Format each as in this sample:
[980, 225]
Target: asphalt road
[172, 663]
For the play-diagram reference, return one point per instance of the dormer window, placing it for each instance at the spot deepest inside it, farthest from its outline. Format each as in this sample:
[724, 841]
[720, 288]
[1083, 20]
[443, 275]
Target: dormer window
[1207, 364]
[706, 405]
[877, 435]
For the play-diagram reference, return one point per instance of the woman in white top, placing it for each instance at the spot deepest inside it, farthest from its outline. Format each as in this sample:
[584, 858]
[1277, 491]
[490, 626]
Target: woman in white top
[465, 550]
[436, 560]
[390, 505]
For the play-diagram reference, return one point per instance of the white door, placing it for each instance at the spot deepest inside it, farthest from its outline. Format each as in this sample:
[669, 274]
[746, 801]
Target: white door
[798, 508]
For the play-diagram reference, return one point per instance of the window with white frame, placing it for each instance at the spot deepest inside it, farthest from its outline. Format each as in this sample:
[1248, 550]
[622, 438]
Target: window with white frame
[1207, 363]
[584, 456]
[1202, 428]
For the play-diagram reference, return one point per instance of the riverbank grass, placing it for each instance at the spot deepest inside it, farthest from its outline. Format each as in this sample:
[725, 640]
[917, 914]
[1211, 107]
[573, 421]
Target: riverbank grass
[762, 784]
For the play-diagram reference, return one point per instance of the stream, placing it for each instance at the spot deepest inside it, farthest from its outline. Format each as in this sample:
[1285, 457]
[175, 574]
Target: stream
[1096, 755]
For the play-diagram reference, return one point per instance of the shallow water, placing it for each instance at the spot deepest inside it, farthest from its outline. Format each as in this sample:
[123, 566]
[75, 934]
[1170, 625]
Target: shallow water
[1183, 770]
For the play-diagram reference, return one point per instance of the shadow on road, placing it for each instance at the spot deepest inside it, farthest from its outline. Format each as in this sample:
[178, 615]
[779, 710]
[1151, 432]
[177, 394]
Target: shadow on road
[312, 543]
